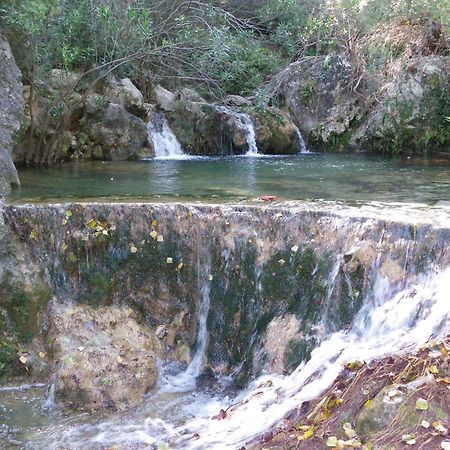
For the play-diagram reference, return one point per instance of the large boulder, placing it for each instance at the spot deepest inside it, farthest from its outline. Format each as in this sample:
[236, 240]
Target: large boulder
[315, 93]
[164, 98]
[276, 133]
[111, 132]
[11, 107]
[123, 92]
[410, 117]
[104, 357]
[368, 101]
[206, 129]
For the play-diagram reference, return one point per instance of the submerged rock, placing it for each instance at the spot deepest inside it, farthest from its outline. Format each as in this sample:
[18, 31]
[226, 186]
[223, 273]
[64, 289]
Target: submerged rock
[104, 357]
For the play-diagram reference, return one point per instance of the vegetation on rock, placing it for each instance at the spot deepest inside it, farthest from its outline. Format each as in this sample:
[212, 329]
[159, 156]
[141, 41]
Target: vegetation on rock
[235, 48]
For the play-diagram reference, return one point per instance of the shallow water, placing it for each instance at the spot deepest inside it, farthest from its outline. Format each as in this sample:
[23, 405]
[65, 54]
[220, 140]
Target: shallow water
[342, 177]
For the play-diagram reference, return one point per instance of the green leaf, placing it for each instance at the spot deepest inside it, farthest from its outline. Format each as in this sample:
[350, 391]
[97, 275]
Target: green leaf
[421, 404]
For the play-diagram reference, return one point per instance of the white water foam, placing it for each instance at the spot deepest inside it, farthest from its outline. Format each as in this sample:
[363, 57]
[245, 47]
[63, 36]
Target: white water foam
[164, 140]
[403, 323]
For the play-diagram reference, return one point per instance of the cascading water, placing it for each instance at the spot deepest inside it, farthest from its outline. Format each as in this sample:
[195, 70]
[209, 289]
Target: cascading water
[186, 380]
[403, 323]
[244, 123]
[301, 143]
[401, 309]
[165, 142]
[250, 134]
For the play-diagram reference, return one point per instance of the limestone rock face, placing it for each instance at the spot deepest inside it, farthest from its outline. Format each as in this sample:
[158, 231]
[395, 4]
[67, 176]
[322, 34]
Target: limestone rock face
[11, 107]
[120, 134]
[412, 112]
[402, 110]
[104, 357]
[313, 90]
[24, 296]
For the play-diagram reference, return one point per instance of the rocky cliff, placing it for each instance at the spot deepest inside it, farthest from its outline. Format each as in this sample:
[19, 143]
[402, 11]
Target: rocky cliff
[386, 94]
[11, 107]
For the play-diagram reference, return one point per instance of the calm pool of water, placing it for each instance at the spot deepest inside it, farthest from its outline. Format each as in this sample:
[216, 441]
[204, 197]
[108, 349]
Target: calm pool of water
[342, 177]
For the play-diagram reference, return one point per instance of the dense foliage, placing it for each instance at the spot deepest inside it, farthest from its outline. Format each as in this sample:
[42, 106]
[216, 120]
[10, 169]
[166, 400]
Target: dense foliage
[229, 46]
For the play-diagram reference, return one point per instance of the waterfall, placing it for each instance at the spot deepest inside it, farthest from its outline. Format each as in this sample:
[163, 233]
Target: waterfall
[245, 124]
[250, 135]
[402, 323]
[186, 380]
[301, 143]
[252, 251]
[164, 140]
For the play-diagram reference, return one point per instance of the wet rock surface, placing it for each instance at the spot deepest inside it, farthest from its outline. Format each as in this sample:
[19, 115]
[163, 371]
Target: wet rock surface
[24, 295]
[281, 332]
[263, 262]
[105, 358]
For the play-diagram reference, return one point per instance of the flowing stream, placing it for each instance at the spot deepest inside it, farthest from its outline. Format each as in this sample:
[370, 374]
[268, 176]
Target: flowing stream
[242, 264]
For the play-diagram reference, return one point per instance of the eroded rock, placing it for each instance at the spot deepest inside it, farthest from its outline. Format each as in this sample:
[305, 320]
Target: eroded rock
[105, 358]
[121, 135]
[281, 331]
[126, 94]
